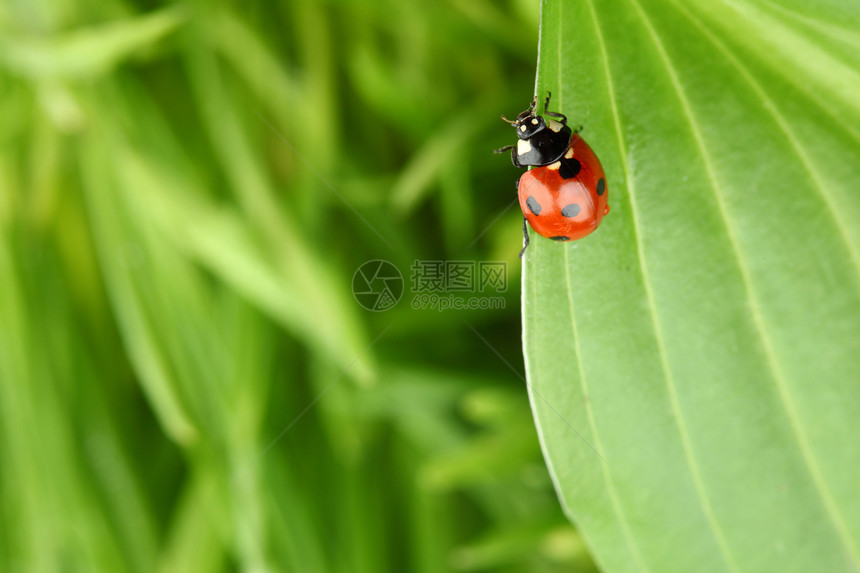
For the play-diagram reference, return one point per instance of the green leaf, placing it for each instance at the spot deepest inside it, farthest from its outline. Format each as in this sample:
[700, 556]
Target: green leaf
[693, 364]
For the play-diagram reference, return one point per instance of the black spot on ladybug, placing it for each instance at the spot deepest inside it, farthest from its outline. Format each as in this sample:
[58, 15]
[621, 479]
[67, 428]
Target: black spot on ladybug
[571, 210]
[570, 168]
[533, 205]
[560, 238]
[601, 186]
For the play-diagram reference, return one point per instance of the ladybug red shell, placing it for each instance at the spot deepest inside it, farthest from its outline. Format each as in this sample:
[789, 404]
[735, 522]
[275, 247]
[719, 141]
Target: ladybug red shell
[567, 199]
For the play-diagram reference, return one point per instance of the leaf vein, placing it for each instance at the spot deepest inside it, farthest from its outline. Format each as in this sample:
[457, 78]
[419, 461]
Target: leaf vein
[589, 412]
[664, 363]
[807, 454]
[791, 136]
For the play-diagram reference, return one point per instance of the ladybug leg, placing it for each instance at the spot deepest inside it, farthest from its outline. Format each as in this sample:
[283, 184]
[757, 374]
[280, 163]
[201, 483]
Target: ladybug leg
[525, 237]
[503, 149]
[561, 117]
[577, 129]
[555, 114]
[514, 157]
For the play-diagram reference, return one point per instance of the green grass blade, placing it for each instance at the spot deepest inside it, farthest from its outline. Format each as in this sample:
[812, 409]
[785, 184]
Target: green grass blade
[90, 52]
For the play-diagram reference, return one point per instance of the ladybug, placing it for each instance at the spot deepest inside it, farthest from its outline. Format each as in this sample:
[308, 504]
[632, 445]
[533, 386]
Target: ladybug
[564, 197]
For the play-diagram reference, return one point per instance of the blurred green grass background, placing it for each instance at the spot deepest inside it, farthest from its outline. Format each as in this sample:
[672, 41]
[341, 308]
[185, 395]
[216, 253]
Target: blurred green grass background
[186, 383]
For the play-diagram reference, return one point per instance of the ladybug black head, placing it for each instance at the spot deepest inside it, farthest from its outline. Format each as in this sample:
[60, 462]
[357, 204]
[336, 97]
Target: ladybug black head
[527, 123]
[542, 141]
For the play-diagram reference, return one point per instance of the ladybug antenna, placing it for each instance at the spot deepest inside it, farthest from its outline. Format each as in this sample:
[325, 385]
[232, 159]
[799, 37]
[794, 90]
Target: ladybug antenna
[507, 120]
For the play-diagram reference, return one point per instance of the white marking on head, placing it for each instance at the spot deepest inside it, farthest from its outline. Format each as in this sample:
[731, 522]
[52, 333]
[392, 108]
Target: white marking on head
[523, 146]
[535, 121]
[569, 154]
[522, 128]
[554, 166]
[554, 125]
